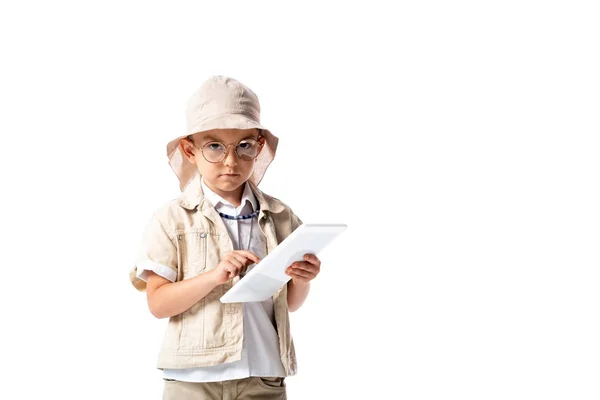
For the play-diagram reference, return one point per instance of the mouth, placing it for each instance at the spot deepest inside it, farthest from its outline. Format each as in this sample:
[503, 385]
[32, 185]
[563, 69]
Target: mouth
[230, 175]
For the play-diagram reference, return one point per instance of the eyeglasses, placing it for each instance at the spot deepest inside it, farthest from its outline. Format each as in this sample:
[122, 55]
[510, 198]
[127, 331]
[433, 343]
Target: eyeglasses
[246, 149]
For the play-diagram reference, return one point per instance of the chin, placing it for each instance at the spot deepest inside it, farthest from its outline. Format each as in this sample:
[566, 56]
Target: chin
[229, 185]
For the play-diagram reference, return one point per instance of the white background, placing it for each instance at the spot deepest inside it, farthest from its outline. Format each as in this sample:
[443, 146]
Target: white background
[458, 140]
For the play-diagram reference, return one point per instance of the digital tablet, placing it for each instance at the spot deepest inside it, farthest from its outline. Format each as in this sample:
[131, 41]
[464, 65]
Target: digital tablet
[268, 276]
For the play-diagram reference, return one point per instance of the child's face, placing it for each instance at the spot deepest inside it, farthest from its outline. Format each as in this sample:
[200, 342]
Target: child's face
[224, 157]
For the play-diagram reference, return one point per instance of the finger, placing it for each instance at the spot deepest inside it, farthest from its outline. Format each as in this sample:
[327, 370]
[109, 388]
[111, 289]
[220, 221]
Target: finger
[234, 261]
[248, 254]
[299, 278]
[244, 260]
[306, 266]
[311, 258]
[301, 273]
[232, 271]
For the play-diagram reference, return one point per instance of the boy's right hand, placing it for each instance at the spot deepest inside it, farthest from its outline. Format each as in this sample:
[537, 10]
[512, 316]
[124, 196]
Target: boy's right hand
[232, 265]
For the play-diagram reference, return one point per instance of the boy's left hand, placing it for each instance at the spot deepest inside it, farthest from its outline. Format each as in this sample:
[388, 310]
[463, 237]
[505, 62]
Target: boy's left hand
[304, 271]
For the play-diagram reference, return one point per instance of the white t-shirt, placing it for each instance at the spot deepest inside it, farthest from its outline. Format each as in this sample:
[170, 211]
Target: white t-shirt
[260, 349]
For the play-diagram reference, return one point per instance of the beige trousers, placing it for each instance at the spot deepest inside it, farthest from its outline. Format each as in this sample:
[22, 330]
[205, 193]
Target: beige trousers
[252, 388]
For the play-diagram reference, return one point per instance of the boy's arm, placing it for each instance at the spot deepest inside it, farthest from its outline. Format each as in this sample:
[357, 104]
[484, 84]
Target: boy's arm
[296, 294]
[297, 291]
[166, 298]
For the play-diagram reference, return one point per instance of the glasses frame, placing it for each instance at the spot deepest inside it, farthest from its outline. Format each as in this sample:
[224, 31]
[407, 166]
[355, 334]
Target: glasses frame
[260, 142]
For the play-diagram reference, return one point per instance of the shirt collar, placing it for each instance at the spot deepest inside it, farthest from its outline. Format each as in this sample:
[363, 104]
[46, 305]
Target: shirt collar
[193, 197]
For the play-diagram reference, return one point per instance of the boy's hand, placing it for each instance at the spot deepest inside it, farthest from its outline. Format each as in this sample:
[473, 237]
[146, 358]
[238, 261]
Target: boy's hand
[233, 264]
[304, 271]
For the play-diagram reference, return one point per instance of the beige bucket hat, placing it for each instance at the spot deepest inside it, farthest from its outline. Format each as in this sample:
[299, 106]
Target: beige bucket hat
[221, 102]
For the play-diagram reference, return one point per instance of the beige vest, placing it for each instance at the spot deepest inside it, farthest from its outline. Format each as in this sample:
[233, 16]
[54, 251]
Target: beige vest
[188, 236]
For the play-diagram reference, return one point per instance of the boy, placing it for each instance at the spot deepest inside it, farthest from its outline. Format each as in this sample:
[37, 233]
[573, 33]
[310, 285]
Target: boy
[197, 247]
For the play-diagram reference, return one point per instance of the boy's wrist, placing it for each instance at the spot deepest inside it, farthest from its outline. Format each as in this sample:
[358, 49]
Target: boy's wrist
[299, 284]
[211, 276]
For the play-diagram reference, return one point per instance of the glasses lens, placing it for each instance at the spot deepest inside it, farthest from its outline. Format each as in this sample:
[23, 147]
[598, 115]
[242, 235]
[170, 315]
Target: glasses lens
[248, 149]
[214, 151]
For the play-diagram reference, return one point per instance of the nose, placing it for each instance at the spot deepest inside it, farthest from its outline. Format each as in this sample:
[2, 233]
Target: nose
[230, 157]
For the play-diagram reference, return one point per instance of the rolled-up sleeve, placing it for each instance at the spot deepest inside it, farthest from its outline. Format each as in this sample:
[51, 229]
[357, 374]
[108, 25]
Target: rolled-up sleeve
[157, 253]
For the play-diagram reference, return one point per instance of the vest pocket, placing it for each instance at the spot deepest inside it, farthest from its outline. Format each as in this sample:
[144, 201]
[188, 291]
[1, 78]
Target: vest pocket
[192, 260]
[192, 250]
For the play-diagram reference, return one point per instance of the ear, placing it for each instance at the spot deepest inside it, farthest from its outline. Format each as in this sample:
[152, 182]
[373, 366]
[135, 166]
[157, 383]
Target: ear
[188, 150]
[262, 140]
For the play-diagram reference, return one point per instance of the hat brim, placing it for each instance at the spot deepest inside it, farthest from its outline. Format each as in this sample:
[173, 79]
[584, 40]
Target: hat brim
[186, 170]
